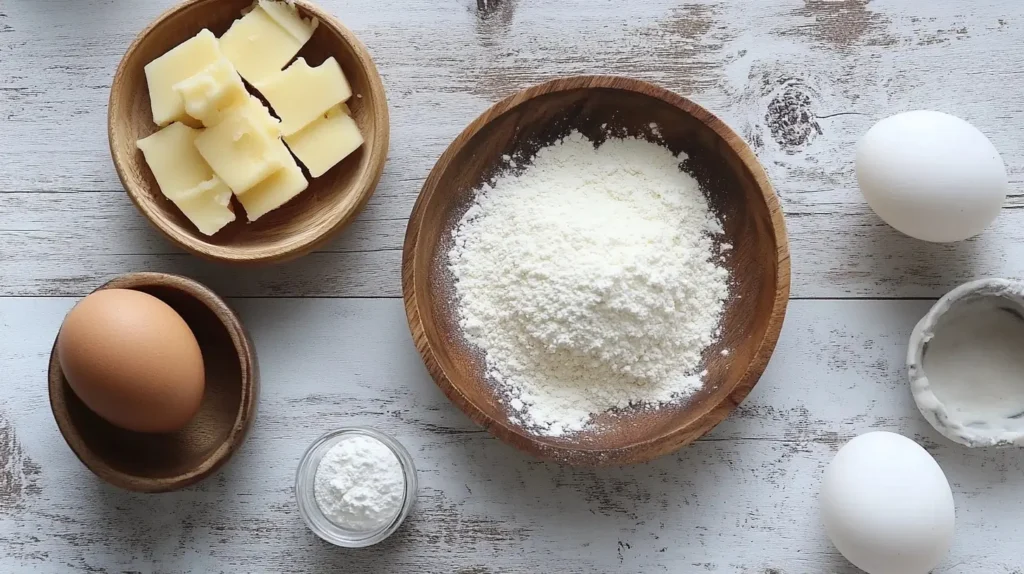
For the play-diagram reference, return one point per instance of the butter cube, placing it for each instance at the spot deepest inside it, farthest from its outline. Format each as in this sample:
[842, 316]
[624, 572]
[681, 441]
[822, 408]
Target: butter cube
[185, 178]
[245, 147]
[286, 15]
[264, 40]
[181, 62]
[207, 206]
[325, 142]
[172, 157]
[212, 91]
[274, 191]
[301, 94]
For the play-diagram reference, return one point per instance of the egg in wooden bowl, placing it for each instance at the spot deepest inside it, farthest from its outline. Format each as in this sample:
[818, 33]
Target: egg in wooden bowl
[153, 382]
[248, 132]
[501, 387]
[133, 360]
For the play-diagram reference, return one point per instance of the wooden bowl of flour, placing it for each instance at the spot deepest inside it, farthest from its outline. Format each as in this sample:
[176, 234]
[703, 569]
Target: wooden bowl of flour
[736, 189]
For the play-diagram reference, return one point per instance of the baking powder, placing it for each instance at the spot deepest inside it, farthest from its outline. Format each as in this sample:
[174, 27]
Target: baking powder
[359, 484]
[590, 281]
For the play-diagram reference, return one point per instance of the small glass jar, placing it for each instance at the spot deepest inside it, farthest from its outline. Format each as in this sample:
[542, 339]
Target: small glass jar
[305, 479]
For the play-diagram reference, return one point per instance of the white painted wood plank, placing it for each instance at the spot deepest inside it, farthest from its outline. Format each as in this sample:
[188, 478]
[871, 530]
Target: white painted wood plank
[65, 244]
[742, 500]
[800, 80]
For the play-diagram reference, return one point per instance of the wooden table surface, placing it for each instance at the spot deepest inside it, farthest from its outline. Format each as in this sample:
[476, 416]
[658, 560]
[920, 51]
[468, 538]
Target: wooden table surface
[801, 80]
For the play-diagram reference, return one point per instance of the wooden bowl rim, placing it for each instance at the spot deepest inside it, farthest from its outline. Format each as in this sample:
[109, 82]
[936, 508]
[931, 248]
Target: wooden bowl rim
[713, 413]
[243, 419]
[377, 153]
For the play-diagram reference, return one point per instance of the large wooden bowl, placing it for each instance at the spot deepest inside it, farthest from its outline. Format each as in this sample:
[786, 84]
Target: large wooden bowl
[161, 462]
[324, 208]
[737, 188]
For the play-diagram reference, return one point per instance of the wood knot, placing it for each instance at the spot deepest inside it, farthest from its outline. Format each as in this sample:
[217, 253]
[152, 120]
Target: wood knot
[487, 8]
[790, 118]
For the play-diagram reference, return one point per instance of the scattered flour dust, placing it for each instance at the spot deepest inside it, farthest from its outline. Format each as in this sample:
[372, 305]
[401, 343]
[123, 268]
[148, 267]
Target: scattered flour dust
[589, 281]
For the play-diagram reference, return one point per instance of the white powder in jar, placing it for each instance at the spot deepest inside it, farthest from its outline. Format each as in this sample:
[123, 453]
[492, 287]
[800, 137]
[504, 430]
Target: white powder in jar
[589, 281]
[359, 484]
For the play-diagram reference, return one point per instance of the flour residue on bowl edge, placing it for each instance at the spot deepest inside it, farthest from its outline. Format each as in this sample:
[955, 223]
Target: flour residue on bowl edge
[966, 364]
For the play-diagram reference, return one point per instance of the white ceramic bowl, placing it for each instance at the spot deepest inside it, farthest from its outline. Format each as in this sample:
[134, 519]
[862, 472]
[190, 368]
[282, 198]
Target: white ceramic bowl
[966, 364]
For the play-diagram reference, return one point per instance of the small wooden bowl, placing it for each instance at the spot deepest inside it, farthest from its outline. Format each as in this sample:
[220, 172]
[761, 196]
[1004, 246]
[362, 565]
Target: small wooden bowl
[737, 189]
[329, 203]
[146, 462]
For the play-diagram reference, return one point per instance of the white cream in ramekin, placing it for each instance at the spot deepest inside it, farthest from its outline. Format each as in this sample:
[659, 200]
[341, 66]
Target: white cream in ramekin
[966, 364]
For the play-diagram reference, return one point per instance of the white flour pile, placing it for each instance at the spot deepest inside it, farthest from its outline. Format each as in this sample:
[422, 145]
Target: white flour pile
[359, 484]
[589, 281]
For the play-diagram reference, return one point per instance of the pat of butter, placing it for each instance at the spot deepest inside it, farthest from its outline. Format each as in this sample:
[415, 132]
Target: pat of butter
[274, 191]
[211, 92]
[286, 15]
[264, 40]
[180, 63]
[185, 178]
[301, 94]
[325, 142]
[207, 206]
[245, 147]
[172, 157]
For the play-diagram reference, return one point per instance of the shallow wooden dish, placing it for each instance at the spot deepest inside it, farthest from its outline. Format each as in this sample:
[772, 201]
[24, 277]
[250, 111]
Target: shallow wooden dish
[737, 188]
[331, 201]
[168, 461]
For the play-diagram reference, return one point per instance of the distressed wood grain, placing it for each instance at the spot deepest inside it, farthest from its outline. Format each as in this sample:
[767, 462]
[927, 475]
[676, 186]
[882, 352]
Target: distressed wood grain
[742, 500]
[801, 80]
[66, 244]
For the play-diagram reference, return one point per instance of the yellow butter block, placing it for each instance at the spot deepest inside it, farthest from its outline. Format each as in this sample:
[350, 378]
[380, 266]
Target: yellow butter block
[245, 147]
[212, 91]
[172, 157]
[275, 191]
[286, 15]
[301, 94]
[207, 206]
[181, 62]
[324, 143]
[264, 40]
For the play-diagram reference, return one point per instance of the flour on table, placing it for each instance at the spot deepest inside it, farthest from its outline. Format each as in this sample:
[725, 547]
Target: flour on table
[589, 281]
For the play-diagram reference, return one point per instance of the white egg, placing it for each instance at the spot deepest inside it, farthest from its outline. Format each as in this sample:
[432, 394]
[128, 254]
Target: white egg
[931, 175]
[887, 505]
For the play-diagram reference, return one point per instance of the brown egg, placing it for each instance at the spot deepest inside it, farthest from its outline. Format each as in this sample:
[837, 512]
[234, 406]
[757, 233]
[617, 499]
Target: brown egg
[133, 360]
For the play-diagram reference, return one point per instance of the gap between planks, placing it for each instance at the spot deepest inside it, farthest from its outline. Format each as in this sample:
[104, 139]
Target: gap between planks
[398, 298]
